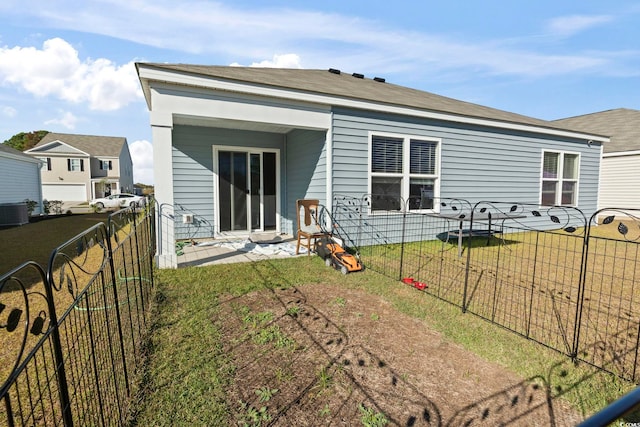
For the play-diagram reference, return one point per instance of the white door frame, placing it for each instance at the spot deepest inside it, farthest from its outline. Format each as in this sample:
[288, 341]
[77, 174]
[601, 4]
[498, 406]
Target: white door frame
[216, 186]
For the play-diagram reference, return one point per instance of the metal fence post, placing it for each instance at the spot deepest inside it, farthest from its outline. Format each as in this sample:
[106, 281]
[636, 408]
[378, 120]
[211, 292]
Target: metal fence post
[117, 306]
[63, 389]
[402, 242]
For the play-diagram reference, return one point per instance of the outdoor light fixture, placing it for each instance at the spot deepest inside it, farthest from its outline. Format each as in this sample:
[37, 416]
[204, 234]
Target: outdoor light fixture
[379, 79]
[334, 71]
[358, 75]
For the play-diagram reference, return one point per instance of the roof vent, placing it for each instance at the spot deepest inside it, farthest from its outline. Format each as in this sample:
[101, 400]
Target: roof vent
[358, 75]
[379, 79]
[334, 71]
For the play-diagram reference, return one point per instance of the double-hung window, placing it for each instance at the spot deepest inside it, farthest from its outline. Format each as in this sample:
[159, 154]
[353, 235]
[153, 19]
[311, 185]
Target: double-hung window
[46, 163]
[560, 175]
[105, 165]
[75, 165]
[403, 170]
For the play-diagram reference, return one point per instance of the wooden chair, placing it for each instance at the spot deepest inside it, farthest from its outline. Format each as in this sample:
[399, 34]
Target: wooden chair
[308, 228]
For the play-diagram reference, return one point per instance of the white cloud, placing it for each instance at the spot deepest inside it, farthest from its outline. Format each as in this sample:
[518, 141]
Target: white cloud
[320, 40]
[288, 60]
[66, 119]
[570, 25]
[8, 111]
[142, 157]
[56, 70]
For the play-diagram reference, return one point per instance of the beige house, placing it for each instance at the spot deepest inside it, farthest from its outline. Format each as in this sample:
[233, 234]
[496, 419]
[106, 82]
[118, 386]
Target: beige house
[620, 173]
[78, 168]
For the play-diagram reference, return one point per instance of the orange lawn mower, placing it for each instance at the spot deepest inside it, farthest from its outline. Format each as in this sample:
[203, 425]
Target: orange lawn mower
[336, 256]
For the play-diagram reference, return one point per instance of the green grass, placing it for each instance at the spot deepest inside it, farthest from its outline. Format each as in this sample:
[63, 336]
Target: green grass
[187, 371]
[35, 241]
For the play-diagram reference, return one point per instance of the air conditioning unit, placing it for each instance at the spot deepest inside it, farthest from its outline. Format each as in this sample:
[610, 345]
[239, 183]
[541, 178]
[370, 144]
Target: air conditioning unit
[187, 219]
[14, 214]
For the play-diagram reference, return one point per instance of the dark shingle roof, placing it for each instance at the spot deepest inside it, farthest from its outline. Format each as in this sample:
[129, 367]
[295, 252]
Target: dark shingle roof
[349, 87]
[107, 146]
[10, 150]
[621, 124]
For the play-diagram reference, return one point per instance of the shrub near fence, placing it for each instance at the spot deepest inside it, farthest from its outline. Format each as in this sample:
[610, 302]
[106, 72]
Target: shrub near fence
[549, 274]
[71, 333]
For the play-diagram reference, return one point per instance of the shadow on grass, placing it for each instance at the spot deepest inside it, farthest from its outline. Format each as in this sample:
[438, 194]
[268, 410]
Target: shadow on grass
[360, 377]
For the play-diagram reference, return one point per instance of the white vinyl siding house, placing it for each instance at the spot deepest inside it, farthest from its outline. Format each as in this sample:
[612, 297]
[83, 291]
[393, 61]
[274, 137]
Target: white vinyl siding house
[620, 180]
[20, 177]
[619, 177]
[328, 133]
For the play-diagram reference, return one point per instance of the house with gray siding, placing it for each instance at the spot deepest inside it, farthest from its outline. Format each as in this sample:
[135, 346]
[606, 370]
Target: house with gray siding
[237, 146]
[620, 169]
[20, 178]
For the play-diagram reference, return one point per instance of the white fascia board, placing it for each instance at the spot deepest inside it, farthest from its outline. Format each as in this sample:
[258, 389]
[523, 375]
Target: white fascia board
[43, 149]
[622, 153]
[282, 93]
[170, 101]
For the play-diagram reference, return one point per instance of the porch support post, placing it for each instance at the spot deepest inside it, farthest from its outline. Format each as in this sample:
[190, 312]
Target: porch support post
[329, 162]
[161, 131]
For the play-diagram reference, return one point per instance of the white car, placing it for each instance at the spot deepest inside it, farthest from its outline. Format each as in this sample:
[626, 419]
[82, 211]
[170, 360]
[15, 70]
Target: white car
[120, 200]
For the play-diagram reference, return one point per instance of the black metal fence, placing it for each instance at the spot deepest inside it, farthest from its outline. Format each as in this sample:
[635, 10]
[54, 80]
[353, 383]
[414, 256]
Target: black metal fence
[550, 274]
[72, 332]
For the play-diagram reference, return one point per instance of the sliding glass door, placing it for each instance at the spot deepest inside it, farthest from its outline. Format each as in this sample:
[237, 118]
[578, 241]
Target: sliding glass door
[247, 190]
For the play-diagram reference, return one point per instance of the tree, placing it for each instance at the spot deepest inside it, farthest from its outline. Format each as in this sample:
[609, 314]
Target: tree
[26, 140]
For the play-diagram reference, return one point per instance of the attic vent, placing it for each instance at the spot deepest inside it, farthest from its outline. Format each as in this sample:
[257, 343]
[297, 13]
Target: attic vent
[334, 71]
[379, 79]
[358, 75]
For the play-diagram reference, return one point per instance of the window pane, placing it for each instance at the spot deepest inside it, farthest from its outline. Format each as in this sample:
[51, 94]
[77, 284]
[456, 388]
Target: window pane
[423, 157]
[421, 193]
[549, 193]
[550, 165]
[569, 193]
[386, 154]
[570, 166]
[385, 193]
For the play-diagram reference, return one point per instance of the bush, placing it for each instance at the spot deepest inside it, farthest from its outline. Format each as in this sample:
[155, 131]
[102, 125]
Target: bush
[53, 206]
[31, 205]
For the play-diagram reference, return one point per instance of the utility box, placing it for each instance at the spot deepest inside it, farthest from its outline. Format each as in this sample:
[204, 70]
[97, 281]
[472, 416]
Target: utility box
[14, 214]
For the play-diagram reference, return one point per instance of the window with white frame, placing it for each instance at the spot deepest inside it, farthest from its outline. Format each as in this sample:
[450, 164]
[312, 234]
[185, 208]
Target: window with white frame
[75, 165]
[403, 169]
[46, 163]
[105, 165]
[560, 175]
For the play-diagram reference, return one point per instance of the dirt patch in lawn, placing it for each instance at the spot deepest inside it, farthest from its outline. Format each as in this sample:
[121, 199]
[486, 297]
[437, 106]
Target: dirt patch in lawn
[327, 355]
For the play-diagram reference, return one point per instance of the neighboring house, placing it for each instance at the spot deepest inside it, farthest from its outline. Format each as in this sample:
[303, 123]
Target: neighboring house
[620, 170]
[78, 168]
[237, 146]
[19, 178]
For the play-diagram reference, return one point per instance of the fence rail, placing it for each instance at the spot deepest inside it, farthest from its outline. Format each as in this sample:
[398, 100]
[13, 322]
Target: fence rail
[550, 274]
[71, 333]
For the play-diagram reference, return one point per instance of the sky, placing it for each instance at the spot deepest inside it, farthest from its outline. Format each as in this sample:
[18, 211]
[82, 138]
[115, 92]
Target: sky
[68, 66]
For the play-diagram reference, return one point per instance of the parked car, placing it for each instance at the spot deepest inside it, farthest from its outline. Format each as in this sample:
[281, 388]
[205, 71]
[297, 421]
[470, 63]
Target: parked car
[120, 200]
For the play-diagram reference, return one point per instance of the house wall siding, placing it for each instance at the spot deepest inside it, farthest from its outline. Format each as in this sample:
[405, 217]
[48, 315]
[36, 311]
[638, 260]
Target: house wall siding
[306, 172]
[476, 163]
[22, 181]
[620, 181]
[123, 168]
[193, 172]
